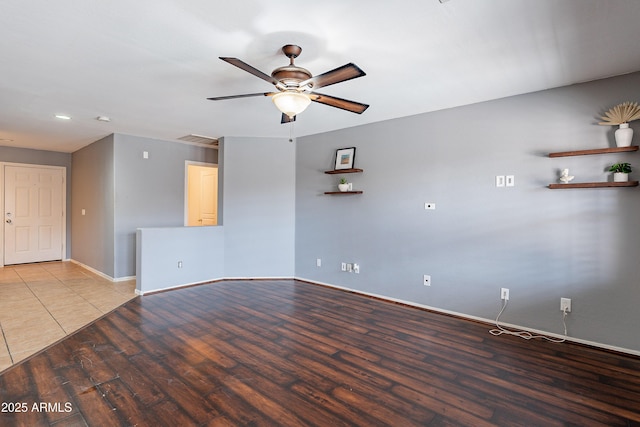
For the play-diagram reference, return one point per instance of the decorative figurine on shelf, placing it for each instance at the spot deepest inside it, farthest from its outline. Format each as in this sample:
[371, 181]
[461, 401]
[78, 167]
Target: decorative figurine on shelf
[565, 178]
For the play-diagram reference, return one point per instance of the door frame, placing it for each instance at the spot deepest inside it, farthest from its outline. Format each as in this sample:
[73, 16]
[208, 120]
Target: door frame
[188, 163]
[64, 203]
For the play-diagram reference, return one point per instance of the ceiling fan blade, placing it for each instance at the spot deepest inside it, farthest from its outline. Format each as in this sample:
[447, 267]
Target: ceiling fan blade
[221, 98]
[287, 119]
[346, 72]
[249, 69]
[345, 104]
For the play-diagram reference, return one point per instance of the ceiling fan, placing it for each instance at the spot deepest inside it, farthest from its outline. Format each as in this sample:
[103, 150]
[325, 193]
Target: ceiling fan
[296, 85]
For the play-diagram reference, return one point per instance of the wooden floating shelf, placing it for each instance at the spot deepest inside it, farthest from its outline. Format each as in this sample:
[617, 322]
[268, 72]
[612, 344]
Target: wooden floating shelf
[343, 192]
[339, 171]
[594, 185]
[594, 151]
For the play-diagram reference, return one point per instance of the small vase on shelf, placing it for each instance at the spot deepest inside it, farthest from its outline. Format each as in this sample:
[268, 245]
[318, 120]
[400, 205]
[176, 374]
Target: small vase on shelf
[621, 115]
[623, 135]
[343, 185]
[620, 171]
[620, 177]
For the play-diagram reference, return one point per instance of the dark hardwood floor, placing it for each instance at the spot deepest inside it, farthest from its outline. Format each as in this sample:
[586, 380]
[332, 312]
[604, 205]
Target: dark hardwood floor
[288, 353]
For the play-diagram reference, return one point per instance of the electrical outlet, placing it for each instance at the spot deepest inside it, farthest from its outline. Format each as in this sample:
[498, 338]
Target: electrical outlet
[343, 267]
[179, 264]
[565, 304]
[350, 268]
[427, 280]
[356, 268]
[504, 294]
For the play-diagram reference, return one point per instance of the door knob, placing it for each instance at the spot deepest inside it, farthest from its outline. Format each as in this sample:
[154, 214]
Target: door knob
[8, 221]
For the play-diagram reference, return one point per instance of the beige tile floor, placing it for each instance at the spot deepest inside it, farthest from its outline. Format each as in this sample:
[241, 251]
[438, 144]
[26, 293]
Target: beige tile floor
[42, 303]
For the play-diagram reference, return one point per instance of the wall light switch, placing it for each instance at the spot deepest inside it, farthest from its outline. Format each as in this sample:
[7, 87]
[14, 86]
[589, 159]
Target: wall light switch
[500, 181]
[429, 206]
[511, 181]
[84, 212]
[318, 262]
[145, 154]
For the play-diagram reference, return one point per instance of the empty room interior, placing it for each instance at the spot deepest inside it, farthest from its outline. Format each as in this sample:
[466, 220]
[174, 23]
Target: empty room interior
[311, 214]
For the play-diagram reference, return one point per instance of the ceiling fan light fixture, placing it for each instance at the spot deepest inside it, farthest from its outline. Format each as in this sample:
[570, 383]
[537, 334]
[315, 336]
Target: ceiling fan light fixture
[295, 84]
[291, 103]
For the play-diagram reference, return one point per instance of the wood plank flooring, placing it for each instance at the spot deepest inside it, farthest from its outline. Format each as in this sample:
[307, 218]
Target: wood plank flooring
[288, 353]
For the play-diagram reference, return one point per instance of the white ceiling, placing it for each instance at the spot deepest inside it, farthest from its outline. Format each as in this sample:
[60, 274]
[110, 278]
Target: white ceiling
[149, 65]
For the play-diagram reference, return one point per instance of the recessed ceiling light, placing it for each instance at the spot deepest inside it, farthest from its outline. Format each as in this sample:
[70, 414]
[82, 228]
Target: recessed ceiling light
[63, 117]
[103, 119]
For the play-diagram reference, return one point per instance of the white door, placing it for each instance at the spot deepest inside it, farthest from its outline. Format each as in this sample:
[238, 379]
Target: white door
[209, 196]
[202, 195]
[33, 214]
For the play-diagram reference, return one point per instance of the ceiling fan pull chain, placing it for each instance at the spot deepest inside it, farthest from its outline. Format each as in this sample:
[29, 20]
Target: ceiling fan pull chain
[291, 131]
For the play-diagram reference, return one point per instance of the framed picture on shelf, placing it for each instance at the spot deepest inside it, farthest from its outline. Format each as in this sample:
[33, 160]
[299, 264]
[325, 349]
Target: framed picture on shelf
[345, 158]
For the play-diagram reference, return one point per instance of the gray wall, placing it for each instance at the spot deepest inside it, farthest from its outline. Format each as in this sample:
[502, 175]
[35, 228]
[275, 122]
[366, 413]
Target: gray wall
[542, 244]
[149, 192]
[256, 237]
[93, 191]
[121, 192]
[42, 157]
[200, 250]
[258, 213]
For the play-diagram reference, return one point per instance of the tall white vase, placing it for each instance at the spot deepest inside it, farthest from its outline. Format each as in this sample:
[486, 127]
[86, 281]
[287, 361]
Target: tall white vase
[624, 135]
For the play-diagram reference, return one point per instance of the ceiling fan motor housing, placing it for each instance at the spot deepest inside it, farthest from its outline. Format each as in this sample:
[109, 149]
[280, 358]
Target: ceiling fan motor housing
[291, 75]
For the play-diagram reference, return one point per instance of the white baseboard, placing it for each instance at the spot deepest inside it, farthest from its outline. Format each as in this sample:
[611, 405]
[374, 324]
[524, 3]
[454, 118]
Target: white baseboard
[101, 274]
[489, 322]
[259, 278]
[152, 291]
[171, 288]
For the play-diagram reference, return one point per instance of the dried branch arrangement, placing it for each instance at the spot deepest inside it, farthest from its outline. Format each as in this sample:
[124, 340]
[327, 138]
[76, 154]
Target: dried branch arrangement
[621, 113]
